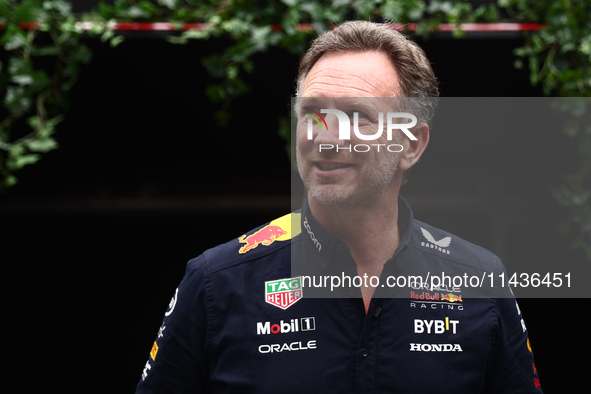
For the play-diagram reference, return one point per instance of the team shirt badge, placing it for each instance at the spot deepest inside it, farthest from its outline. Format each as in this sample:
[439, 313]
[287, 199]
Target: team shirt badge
[278, 230]
[283, 293]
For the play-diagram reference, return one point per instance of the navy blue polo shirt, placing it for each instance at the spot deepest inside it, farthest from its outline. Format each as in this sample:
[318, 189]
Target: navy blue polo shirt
[248, 318]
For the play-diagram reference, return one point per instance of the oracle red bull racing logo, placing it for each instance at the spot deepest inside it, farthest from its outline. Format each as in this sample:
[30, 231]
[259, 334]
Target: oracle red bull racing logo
[283, 293]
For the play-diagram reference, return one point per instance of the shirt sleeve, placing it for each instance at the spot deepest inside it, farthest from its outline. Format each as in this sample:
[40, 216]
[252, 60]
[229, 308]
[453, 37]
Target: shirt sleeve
[178, 361]
[511, 367]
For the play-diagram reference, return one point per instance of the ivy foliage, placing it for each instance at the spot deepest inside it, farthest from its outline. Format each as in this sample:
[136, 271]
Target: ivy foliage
[43, 39]
[559, 58]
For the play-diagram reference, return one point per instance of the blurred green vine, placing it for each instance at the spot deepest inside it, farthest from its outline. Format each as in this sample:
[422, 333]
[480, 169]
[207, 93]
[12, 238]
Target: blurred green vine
[559, 58]
[44, 42]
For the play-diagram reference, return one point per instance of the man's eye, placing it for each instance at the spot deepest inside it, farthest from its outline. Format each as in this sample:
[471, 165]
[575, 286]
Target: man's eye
[359, 114]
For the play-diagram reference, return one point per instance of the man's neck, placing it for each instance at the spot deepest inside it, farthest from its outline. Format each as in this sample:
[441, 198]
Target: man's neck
[371, 233]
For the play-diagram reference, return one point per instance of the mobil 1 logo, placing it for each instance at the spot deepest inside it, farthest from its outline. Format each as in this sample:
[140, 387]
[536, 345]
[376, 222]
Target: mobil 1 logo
[284, 327]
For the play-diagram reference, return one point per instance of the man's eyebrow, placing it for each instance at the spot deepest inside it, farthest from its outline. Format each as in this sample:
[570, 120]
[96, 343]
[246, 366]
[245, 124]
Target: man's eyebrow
[365, 104]
[359, 103]
[312, 100]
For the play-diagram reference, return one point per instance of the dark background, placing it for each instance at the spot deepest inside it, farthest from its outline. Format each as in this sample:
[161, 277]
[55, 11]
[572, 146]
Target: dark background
[96, 235]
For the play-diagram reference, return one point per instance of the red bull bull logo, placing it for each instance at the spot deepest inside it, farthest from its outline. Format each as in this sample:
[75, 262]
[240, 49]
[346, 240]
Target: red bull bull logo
[266, 236]
[451, 297]
[278, 230]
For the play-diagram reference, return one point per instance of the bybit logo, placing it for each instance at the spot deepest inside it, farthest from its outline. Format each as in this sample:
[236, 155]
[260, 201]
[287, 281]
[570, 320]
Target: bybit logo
[435, 326]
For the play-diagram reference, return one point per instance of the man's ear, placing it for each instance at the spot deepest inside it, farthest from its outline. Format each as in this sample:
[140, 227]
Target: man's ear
[414, 149]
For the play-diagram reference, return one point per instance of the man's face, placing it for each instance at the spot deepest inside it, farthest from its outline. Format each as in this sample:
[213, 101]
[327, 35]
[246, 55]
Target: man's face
[350, 82]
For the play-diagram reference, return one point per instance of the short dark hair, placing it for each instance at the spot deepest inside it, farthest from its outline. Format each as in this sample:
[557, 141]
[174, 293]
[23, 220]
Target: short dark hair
[416, 77]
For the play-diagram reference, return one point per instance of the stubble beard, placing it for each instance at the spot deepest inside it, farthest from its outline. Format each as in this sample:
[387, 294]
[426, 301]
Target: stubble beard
[370, 187]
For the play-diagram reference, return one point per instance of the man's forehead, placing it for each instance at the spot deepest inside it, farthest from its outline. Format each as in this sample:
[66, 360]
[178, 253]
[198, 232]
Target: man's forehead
[352, 74]
[348, 103]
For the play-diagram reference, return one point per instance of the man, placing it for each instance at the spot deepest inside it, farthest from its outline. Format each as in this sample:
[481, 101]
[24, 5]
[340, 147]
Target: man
[244, 320]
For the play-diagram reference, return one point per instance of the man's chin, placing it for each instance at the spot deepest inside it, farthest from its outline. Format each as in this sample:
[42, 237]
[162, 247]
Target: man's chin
[332, 197]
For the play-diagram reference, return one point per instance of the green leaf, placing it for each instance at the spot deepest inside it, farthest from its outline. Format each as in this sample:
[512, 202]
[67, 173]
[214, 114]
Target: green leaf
[222, 118]
[416, 13]
[33, 122]
[63, 8]
[15, 100]
[21, 161]
[45, 51]
[4, 11]
[458, 33]
[135, 12]
[17, 65]
[51, 123]
[26, 10]
[13, 38]
[171, 4]
[48, 128]
[16, 150]
[42, 145]
[215, 93]
[585, 46]
[10, 180]
[23, 79]
[105, 10]
[116, 41]
[534, 67]
[147, 6]
[107, 35]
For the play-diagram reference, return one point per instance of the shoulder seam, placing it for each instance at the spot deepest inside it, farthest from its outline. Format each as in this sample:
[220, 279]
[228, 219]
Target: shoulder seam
[209, 298]
[252, 258]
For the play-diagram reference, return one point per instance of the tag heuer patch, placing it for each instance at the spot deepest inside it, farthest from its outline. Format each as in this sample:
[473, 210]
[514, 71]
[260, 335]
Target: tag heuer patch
[283, 293]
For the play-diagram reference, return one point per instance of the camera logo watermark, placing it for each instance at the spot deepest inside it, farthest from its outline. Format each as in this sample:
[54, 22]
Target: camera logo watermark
[345, 129]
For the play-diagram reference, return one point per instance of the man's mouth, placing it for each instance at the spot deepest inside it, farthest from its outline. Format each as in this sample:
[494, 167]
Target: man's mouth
[331, 166]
